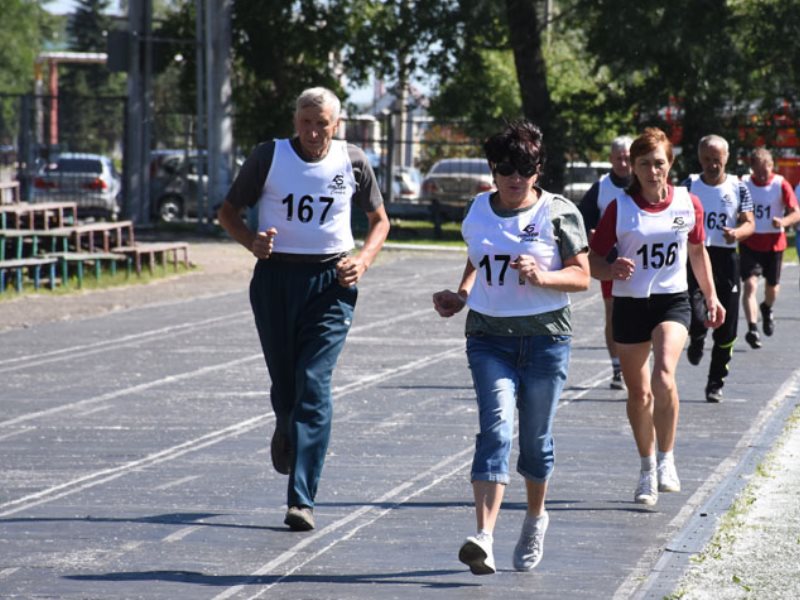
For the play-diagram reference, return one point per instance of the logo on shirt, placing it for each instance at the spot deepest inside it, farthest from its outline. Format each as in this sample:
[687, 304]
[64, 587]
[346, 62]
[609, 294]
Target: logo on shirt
[336, 186]
[726, 199]
[679, 224]
[529, 234]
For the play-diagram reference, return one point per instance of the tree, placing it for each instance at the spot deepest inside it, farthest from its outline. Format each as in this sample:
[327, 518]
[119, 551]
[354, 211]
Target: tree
[91, 106]
[680, 56]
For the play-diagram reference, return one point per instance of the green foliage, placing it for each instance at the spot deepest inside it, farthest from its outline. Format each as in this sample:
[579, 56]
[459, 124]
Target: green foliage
[91, 110]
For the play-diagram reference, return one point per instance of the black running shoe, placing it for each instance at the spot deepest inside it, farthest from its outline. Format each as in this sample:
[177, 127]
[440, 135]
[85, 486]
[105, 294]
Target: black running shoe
[695, 352]
[753, 339]
[768, 319]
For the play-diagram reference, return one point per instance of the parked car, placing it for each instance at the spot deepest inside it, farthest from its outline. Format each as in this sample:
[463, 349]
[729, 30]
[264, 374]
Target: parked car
[453, 182]
[406, 194]
[90, 180]
[580, 176]
[175, 181]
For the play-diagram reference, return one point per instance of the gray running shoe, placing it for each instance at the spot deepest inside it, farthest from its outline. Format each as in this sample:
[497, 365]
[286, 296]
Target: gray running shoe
[668, 477]
[299, 518]
[647, 490]
[476, 553]
[616, 380]
[530, 547]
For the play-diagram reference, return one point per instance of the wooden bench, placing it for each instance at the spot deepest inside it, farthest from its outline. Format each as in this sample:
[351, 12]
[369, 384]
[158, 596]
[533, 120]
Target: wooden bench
[9, 192]
[155, 252]
[79, 259]
[19, 265]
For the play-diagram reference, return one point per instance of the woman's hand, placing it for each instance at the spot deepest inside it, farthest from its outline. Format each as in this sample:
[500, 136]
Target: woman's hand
[622, 269]
[447, 303]
[529, 270]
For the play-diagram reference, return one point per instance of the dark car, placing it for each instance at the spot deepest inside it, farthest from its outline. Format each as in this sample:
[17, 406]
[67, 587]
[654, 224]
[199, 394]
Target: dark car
[90, 180]
[176, 182]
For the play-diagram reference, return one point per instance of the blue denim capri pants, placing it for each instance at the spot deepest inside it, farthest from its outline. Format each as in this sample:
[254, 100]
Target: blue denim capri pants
[527, 373]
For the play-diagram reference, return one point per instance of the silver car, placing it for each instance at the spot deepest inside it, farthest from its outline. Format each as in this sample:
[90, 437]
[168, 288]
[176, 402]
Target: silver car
[580, 176]
[453, 182]
[90, 180]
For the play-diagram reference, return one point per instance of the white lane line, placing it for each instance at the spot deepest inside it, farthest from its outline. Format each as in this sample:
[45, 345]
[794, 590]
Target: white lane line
[181, 533]
[644, 568]
[214, 437]
[7, 572]
[89, 349]
[127, 391]
[11, 434]
[295, 550]
[104, 475]
[176, 482]
[187, 375]
[393, 496]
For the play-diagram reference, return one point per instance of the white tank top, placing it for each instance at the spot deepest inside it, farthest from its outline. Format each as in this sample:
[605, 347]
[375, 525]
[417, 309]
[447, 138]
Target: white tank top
[721, 204]
[657, 244]
[308, 202]
[606, 193]
[493, 242]
[767, 202]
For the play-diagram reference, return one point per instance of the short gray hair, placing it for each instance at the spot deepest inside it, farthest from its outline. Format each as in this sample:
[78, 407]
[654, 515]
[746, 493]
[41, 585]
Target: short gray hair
[713, 140]
[319, 97]
[622, 142]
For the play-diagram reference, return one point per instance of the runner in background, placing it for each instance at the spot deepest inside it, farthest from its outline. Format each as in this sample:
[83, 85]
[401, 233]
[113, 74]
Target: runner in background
[729, 219]
[593, 205]
[656, 228]
[775, 208]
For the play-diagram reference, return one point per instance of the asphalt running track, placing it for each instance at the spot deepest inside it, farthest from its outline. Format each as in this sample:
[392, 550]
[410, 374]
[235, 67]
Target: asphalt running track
[135, 459]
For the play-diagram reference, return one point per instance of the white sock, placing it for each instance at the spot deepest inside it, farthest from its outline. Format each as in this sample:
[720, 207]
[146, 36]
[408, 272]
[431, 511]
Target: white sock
[665, 457]
[648, 462]
[484, 533]
[615, 364]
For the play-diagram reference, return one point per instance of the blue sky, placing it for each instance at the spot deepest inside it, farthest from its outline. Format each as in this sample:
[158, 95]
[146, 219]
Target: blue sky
[62, 7]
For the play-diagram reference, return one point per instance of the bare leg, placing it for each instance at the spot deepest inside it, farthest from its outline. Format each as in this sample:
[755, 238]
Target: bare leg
[749, 299]
[634, 359]
[668, 340]
[488, 498]
[610, 343]
[771, 294]
[536, 494]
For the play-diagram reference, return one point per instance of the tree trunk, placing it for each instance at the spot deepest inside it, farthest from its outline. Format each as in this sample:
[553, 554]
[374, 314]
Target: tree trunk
[526, 42]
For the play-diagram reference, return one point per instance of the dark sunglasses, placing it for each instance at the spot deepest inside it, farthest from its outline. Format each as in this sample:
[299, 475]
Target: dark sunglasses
[507, 169]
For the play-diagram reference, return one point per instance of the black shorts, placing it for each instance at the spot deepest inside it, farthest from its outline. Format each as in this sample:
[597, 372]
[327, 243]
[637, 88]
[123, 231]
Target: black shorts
[755, 263]
[634, 319]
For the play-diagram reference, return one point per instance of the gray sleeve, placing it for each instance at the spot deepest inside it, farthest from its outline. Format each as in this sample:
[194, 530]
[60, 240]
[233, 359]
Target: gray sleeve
[246, 188]
[745, 199]
[568, 227]
[368, 194]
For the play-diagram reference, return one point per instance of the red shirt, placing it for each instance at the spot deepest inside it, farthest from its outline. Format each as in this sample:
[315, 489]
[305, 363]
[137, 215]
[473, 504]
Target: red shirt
[605, 236]
[772, 242]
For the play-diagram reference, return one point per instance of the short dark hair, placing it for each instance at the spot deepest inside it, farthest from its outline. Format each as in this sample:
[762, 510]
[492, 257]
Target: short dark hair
[521, 142]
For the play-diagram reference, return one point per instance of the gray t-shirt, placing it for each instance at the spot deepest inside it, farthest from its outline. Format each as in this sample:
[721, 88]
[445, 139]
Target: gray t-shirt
[246, 188]
[571, 239]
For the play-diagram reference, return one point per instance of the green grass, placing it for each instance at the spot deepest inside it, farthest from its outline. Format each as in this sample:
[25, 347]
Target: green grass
[106, 281]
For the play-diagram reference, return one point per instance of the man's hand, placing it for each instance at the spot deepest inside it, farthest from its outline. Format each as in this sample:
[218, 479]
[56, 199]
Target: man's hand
[262, 243]
[729, 233]
[349, 270]
[447, 303]
[715, 313]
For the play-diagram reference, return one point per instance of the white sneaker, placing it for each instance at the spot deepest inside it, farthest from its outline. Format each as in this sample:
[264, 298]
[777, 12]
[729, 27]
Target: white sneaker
[647, 490]
[476, 553]
[668, 477]
[530, 547]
